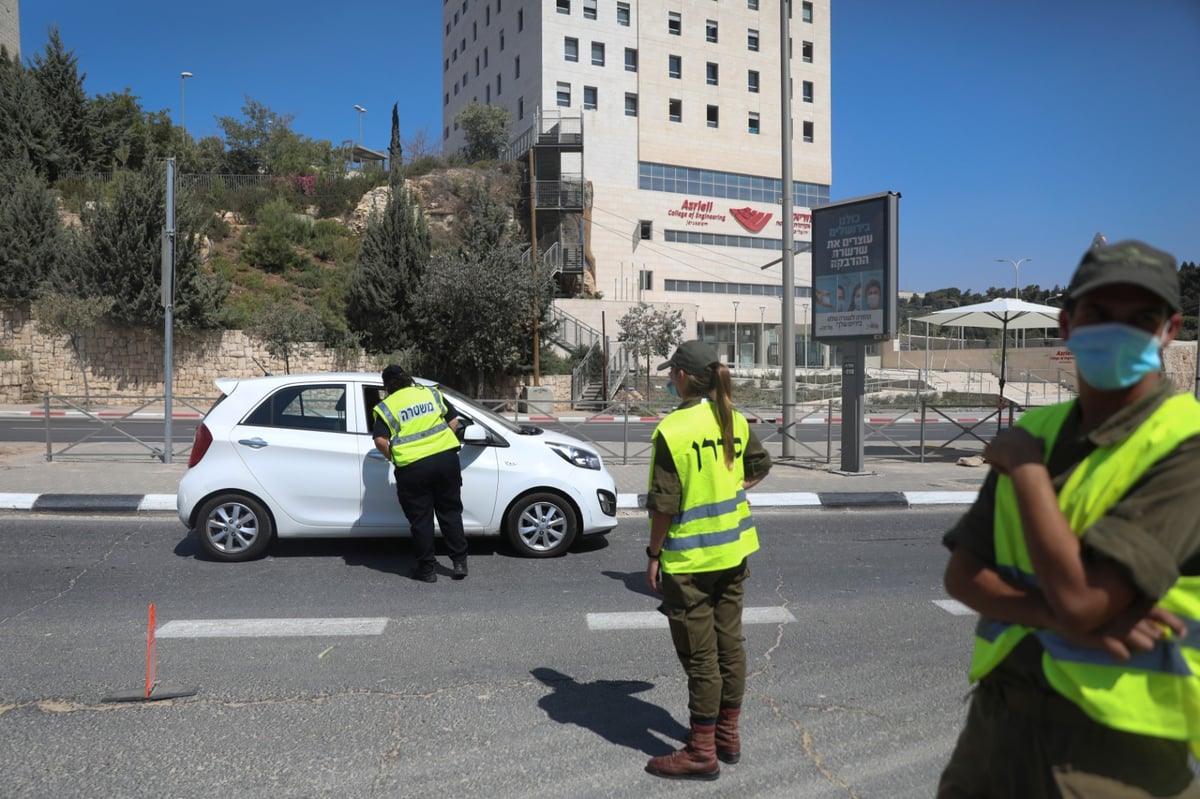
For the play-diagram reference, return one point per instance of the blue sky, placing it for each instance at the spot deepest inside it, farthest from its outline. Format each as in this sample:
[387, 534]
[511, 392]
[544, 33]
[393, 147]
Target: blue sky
[1012, 129]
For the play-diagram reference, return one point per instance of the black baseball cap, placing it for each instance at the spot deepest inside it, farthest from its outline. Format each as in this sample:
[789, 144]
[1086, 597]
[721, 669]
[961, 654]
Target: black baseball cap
[692, 357]
[392, 372]
[1128, 263]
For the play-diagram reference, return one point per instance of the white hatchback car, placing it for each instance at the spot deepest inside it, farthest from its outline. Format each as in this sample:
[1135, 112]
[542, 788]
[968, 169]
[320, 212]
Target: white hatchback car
[292, 456]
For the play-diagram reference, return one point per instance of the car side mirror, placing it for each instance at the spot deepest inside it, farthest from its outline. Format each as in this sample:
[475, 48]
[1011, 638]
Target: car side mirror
[474, 434]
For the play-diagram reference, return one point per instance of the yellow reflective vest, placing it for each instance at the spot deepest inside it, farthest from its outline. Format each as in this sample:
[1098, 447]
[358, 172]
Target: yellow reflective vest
[713, 529]
[415, 417]
[1155, 693]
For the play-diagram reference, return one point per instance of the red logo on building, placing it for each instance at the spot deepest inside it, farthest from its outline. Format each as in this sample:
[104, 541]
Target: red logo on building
[752, 220]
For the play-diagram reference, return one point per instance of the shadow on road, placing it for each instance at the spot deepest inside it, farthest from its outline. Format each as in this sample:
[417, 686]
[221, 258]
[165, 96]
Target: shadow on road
[607, 708]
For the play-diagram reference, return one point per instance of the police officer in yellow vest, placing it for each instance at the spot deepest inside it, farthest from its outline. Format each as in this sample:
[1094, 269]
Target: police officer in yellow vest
[704, 458]
[1082, 557]
[414, 428]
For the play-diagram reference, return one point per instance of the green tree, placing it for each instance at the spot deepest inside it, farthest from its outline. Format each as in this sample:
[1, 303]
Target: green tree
[285, 329]
[27, 130]
[271, 245]
[475, 311]
[649, 332]
[393, 258]
[122, 255]
[485, 128]
[56, 73]
[262, 142]
[32, 238]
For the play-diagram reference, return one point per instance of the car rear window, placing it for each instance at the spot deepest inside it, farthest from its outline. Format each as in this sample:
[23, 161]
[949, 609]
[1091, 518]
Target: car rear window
[308, 407]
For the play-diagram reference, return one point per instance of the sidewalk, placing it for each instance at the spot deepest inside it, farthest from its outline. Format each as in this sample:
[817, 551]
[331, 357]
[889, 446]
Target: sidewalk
[142, 483]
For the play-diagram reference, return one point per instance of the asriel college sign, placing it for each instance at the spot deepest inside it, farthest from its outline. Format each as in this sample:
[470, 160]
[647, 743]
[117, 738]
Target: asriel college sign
[854, 268]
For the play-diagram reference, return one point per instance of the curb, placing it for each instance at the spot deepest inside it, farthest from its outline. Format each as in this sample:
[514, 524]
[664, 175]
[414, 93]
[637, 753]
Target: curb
[144, 503]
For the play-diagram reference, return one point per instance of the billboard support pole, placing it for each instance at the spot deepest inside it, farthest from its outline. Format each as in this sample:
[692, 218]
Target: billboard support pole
[787, 317]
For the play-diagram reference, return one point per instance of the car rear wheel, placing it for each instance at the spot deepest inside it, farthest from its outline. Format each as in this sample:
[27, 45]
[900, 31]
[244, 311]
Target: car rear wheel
[541, 525]
[233, 528]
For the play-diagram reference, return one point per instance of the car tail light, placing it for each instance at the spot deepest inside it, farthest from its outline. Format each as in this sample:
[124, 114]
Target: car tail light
[200, 444]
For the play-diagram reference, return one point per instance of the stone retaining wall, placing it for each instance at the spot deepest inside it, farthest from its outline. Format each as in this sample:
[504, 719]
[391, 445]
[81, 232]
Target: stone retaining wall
[129, 363]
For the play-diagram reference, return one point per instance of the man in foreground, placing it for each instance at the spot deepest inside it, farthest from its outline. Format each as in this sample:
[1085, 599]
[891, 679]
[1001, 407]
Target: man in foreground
[1082, 557]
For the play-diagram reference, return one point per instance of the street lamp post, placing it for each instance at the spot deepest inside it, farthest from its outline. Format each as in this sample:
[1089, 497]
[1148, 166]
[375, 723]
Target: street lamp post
[1016, 265]
[360, 111]
[804, 305]
[183, 76]
[735, 335]
[762, 336]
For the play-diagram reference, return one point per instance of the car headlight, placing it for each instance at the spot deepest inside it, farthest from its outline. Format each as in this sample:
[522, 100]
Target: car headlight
[576, 456]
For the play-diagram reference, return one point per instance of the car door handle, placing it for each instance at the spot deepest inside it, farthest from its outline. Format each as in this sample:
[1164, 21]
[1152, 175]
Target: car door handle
[377, 455]
[253, 443]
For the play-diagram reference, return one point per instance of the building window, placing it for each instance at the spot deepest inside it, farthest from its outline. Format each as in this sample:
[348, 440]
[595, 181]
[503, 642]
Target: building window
[485, 58]
[806, 9]
[562, 96]
[520, 21]
[487, 15]
[674, 66]
[675, 110]
[713, 116]
[752, 5]
[752, 122]
[517, 68]
[752, 81]
[589, 98]
[752, 40]
[520, 108]
[597, 54]
[630, 59]
[446, 98]
[487, 94]
[477, 66]
[808, 132]
[564, 6]
[806, 51]
[623, 14]
[570, 49]
[646, 279]
[807, 88]
[502, 40]
[674, 23]
[710, 30]
[589, 9]
[711, 74]
[631, 104]
[498, 85]
[645, 229]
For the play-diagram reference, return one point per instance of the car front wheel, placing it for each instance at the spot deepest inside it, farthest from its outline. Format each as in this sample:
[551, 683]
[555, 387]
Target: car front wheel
[542, 525]
[234, 528]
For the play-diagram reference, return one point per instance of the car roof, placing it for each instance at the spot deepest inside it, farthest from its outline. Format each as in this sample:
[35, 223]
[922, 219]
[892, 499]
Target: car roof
[269, 382]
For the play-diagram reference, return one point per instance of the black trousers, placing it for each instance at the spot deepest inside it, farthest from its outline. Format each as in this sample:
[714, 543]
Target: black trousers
[428, 487]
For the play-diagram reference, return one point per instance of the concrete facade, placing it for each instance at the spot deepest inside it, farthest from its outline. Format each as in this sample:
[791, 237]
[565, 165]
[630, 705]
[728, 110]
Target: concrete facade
[10, 26]
[681, 112]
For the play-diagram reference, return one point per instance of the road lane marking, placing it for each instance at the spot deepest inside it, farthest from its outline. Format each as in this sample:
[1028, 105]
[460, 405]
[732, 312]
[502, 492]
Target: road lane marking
[954, 607]
[269, 628]
[652, 619]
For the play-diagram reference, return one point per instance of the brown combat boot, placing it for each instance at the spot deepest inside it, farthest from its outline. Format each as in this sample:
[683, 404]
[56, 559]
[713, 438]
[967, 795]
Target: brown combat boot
[729, 743]
[695, 761]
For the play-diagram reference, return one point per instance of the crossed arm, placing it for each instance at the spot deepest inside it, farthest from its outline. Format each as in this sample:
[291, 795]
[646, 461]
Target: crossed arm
[1089, 601]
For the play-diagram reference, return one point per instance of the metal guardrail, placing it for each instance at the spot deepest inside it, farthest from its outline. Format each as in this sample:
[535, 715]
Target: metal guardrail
[105, 422]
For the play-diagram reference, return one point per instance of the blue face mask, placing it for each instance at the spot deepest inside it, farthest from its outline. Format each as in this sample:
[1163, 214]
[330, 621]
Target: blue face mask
[1113, 356]
[671, 389]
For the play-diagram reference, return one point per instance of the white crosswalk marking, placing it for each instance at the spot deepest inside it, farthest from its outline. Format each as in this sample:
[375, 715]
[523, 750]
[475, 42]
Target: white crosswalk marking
[652, 619]
[954, 607]
[267, 628]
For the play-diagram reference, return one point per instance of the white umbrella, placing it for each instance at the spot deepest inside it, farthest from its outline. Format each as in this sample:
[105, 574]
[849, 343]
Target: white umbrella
[1003, 314]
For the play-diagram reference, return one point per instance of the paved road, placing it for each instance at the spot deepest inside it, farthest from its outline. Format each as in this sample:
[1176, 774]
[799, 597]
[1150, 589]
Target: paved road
[532, 678]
